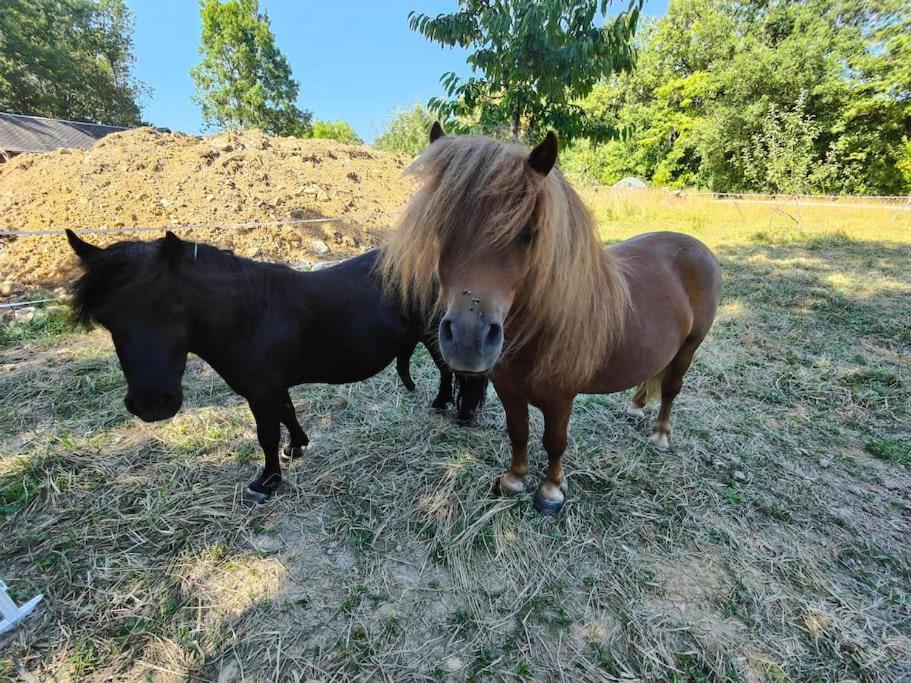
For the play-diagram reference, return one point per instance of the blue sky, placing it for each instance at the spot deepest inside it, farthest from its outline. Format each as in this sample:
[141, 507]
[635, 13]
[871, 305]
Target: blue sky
[354, 60]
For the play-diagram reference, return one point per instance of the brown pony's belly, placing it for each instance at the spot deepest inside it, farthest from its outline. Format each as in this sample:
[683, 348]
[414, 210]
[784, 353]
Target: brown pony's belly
[661, 315]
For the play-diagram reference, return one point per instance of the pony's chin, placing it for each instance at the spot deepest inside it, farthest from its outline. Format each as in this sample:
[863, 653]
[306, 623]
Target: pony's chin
[158, 416]
[469, 366]
[467, 373]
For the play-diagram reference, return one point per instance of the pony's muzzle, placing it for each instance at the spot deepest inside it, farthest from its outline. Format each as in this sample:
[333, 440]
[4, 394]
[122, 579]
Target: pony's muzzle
[469, 343]
[154, 407]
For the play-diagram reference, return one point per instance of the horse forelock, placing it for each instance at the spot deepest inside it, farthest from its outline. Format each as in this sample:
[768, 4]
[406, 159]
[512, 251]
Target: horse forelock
[476, 193]
[135, 270]
[121, 265]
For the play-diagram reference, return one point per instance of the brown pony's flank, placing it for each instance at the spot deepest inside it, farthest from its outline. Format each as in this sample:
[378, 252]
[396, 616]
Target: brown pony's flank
[476, 193]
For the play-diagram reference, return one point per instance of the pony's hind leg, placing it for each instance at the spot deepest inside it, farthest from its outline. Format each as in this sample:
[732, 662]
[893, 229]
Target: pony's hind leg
[671, 383]
[403, 367]
[645, 394]
[298, 437]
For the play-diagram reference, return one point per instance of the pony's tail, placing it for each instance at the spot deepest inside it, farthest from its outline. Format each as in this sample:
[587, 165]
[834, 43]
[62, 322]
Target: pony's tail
[403, 367]
[471, 393]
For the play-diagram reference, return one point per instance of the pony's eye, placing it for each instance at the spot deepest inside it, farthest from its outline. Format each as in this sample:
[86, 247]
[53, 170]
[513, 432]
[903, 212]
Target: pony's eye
[527, 238]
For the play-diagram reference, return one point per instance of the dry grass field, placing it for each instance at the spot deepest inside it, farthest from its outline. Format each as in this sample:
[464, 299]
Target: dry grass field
[772, 543]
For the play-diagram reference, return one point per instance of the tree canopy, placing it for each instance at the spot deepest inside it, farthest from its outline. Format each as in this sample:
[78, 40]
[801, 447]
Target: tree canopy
[762, 95]
[530, 61]
[244, 80]
[68, 59]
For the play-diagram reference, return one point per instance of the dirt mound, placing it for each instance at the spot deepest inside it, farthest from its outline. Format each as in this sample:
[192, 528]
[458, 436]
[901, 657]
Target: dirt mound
[144, 177]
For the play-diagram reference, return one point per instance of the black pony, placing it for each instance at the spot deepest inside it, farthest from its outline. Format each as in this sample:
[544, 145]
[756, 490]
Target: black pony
[263, 327]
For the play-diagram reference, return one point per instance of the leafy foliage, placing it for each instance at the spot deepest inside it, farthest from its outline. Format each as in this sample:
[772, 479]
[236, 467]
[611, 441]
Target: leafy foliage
[407, 131]
[530, 61]
[340, 131]
[764, 95]
[68, 59]
[782, 156]
[244, 80]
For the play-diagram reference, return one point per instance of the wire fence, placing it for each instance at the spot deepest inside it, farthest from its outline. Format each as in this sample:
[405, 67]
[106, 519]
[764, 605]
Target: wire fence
[889, 202]
[240, 225]
[34, 302]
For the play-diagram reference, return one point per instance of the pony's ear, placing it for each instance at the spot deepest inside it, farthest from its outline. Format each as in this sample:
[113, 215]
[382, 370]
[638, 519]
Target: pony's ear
[83, 249]
[436, 132]
[172, 247]
[544, 156]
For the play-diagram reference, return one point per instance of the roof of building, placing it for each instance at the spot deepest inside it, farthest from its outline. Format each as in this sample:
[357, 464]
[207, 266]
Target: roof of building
[20, 133]
[630, 183]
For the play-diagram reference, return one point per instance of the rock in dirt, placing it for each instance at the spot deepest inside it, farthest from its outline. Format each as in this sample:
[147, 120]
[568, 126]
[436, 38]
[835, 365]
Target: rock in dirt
[24, 315]
[319, 247]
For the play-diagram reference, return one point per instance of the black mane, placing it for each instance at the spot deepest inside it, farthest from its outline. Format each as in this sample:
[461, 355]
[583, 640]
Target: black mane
[141, 267]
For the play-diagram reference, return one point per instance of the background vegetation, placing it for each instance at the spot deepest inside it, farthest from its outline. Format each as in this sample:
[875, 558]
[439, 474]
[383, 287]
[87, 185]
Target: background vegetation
[762, 95]
[68, 59]
[244, 80]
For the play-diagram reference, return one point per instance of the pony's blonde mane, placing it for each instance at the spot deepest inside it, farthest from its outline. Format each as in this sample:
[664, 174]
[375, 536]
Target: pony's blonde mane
[476, 193]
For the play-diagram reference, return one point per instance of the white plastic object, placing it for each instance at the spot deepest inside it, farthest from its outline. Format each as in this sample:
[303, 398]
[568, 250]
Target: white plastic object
[12, 614]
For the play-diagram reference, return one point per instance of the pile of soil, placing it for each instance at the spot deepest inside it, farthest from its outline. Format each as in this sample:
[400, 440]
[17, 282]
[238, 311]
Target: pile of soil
[149, 178]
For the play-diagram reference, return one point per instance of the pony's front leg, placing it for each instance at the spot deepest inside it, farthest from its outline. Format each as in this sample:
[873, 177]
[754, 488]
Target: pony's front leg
[444, 397]
[268, 431]
[512, 482]
[549, 498]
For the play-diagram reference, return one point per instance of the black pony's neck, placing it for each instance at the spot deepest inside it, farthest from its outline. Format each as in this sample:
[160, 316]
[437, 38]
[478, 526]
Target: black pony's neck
[228, 294]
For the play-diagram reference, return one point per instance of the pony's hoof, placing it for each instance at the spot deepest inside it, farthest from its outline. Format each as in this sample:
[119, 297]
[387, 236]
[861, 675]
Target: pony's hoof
[634, 412]
[440, 404]
[409, 384]
[508, 484]
[466, 419]
[549, 499]
[547, 507]
[294, 452]
[252, 498]
[659, 440]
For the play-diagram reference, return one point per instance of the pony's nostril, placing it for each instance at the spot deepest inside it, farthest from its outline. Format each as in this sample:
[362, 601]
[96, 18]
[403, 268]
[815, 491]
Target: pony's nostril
[494, 335]
[446, 331]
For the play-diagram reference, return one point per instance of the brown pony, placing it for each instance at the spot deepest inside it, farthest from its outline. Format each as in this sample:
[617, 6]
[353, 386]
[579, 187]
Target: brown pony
[530, 295]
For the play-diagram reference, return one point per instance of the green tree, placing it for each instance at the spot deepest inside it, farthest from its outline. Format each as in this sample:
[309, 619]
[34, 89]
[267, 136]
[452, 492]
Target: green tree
[716, 78]
[244, 80]
[340, 131]
[783, 156]
[530, 61]
[407, 131]
[68, 59]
